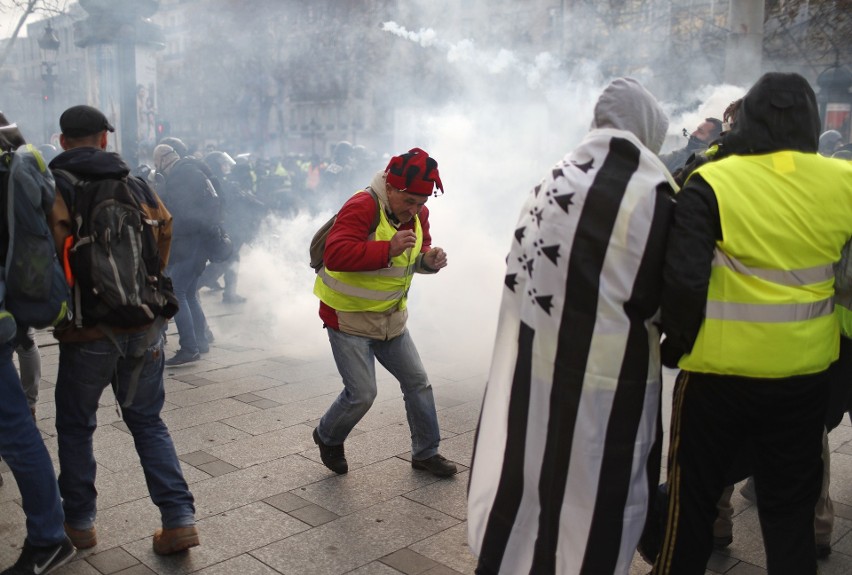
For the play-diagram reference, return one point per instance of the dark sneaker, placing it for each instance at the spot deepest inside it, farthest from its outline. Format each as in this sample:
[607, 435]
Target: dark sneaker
[203, 348]
[722, 541]
[436, 465]
[42, 560]
[182, 356]
[332, 456]
[175, 540]
[823, 550]
[82, 538]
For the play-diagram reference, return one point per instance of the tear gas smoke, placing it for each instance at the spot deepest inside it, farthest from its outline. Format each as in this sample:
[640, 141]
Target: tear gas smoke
[465, 53]
[491, 151]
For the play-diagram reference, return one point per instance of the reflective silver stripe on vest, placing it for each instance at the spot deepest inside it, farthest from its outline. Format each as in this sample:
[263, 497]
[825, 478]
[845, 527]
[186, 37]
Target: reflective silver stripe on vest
[768, 313]
[794, 278]
[363, 293]
[395, 272]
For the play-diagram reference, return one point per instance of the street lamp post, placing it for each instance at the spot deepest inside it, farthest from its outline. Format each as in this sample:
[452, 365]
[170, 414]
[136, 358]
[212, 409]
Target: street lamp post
[49, 46]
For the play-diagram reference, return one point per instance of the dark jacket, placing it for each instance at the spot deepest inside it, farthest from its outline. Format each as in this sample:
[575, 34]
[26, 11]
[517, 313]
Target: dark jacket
[93, 164]
[190, 195]
[778, 113]
[675, 160]
[89, 163]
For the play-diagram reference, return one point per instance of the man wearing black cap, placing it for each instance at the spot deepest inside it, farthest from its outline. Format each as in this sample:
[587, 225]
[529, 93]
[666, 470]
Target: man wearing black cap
[82, 121]
[90, 359]
[378, 242]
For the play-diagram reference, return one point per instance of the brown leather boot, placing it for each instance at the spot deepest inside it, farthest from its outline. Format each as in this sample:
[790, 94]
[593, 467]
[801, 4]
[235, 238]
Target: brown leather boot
[82, 538]
[168, 541]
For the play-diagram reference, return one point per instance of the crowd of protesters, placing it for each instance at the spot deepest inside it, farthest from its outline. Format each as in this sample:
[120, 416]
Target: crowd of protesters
[727, 259]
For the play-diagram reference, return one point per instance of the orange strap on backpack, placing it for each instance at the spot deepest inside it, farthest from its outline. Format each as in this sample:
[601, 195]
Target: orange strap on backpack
[66, 262]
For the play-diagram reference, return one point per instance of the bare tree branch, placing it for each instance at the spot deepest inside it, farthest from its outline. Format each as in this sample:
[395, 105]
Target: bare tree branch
[7, 49]
[28, 8]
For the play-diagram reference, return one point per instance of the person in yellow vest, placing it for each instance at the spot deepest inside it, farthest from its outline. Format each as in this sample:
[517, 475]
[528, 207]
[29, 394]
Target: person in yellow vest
[379, 240]
[840, 390]
[748, 302]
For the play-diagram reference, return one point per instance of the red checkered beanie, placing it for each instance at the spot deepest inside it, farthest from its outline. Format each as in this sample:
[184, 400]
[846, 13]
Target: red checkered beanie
[414, 172]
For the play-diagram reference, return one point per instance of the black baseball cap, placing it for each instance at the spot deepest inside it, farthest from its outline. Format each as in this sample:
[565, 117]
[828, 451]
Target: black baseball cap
[81, 121]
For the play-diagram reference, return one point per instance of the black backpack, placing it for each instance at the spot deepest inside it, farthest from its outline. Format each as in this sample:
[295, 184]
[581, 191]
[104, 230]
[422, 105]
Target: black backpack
[113, 256]
[36, 291]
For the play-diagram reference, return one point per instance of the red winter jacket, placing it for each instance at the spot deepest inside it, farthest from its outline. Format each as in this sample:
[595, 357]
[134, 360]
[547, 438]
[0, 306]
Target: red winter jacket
[347, 248]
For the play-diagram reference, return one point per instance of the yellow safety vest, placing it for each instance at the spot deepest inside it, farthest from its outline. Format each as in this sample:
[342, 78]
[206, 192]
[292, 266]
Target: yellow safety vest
[372, 290]
[843, 310]
[785, 217]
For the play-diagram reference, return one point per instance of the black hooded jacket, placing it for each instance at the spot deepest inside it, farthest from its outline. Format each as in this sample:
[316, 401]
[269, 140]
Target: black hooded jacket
[778, 113]
[89, 163]
[190, 194]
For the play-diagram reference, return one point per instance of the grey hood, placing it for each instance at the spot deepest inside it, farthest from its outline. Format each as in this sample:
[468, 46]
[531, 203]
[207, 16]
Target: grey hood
[626, 105]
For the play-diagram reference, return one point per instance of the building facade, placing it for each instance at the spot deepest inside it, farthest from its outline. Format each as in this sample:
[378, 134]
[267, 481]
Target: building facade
[275, 77]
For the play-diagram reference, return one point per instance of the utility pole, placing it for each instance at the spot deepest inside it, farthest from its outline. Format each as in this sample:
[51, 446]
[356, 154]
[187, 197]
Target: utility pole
[744, 48]
[49, 46]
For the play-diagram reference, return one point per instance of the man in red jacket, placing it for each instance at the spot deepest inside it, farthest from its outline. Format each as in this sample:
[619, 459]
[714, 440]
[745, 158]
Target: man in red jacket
[369, 263]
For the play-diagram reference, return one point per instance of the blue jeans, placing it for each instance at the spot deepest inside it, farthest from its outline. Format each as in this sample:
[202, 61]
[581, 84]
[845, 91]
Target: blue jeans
[23, 450]
[29, 362]
[190, 321]
[354, 356]
[85, 369]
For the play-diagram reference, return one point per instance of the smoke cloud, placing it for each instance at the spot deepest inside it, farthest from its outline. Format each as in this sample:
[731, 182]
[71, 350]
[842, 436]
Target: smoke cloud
[465, 53]
[514, 117]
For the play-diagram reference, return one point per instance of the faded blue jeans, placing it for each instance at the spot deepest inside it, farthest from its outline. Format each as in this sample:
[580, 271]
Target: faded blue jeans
[85, 369]
[23, 450]
[355, 356]
[189, 320]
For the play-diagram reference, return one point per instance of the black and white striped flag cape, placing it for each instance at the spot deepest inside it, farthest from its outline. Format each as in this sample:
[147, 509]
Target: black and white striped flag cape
[568, 443]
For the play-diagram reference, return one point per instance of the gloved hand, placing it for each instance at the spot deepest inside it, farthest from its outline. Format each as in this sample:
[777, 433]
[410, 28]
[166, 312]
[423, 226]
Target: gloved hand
[670, 354]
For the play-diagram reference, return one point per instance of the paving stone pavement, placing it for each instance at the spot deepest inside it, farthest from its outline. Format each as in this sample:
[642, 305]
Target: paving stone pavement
[242, 419]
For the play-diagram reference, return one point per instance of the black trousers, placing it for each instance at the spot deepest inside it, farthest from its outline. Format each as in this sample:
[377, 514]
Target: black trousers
[713, 419]
[841, 386]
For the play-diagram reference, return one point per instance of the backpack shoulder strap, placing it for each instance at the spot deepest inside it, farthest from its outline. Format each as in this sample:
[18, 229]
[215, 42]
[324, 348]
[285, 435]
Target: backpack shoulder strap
[377, 218]
[7, 217]
[72, 179]
[67, 194]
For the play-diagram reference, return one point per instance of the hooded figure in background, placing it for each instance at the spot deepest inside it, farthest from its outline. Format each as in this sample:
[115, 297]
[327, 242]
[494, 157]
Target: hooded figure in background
[829, 142]
[568, 445]
[748, 313]
[190, 194]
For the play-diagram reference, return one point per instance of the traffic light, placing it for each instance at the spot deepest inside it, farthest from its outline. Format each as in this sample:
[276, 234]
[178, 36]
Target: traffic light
[163, 129]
